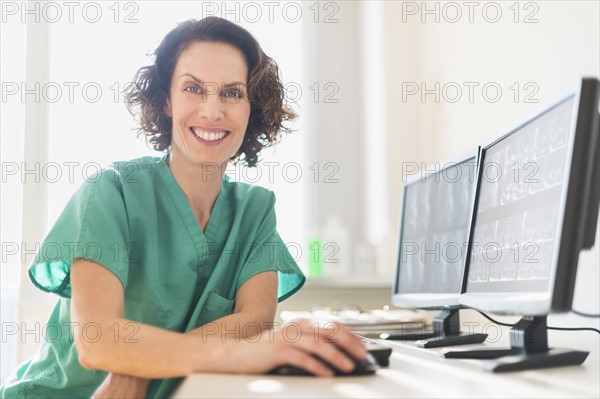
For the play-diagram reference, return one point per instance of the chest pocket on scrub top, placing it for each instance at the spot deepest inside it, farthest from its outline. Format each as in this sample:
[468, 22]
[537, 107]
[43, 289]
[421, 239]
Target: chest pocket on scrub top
[215, 307]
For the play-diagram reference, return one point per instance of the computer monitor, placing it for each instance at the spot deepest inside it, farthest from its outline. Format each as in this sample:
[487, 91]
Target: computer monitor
[434, 234]
[536, 208]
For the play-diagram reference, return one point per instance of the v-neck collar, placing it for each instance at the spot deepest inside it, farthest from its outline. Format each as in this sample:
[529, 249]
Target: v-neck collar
[199, 237]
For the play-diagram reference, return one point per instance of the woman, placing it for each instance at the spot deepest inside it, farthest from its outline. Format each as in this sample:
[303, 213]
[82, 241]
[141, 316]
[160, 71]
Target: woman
[171, 268]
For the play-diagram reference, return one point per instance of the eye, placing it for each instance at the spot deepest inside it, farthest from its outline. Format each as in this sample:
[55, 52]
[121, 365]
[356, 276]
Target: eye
[233, 93]
[192, 88]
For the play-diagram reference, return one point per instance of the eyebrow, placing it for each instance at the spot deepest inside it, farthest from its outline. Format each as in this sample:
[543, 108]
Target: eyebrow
[232, 84]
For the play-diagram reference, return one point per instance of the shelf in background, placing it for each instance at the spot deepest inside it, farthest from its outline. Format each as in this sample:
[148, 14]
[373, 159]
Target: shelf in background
[352, 282]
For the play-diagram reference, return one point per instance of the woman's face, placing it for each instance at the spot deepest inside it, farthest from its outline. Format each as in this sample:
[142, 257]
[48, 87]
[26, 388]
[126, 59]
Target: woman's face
[208, 103]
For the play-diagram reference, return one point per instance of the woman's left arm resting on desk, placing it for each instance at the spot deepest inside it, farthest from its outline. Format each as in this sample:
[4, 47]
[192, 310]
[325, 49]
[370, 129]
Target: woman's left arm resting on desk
[255, 302]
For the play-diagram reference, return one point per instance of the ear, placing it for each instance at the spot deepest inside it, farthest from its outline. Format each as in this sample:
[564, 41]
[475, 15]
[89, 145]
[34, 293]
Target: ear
[168, 109]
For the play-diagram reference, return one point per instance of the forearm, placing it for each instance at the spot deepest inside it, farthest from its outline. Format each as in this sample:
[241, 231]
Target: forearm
[126, 347]
[136, 349]
[235, 326]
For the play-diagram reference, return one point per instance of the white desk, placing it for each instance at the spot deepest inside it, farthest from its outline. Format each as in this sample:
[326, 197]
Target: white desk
[415, 372]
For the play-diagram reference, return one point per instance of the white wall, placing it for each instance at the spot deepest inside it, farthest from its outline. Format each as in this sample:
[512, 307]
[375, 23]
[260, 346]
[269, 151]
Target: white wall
[546, 55]
[541, 57]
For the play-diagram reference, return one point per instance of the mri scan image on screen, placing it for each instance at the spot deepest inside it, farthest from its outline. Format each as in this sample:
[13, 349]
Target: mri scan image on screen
[514, 237]
[434, 234]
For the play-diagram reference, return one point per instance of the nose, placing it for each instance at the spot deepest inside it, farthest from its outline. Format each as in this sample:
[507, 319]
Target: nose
[211, 107]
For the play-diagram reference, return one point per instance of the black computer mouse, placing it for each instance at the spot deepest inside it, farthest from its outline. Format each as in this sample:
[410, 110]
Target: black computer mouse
[367, 366]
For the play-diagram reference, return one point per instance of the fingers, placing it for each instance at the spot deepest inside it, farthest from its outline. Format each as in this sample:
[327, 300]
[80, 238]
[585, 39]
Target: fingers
[296, 356]
[331, 342]
[345, 339]
[334, 333]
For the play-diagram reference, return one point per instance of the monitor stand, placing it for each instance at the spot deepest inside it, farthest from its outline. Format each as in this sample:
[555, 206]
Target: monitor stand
[528, 350]
[446, 332]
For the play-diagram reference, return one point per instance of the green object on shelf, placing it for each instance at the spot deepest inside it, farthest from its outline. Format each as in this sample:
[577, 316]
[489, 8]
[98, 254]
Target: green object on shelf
[315, 259]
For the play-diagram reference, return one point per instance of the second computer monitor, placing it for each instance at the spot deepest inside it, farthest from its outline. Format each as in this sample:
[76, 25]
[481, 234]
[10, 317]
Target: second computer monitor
[536, 207]
[434, 233]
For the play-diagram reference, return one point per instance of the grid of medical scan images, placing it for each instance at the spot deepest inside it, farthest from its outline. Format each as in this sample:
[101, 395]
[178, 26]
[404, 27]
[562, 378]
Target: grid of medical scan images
[436, 213]
[521, 186]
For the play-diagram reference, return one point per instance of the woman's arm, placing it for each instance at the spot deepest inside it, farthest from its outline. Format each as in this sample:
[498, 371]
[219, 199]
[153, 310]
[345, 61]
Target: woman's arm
[103, 336]
[97, 297]
[255, 303]
[97, 307]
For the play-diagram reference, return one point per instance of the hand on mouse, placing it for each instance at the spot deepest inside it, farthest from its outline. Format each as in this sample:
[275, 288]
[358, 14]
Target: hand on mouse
[294, 344]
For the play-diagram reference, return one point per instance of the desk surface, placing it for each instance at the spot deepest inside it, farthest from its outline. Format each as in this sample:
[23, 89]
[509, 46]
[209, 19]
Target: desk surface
[416, 372]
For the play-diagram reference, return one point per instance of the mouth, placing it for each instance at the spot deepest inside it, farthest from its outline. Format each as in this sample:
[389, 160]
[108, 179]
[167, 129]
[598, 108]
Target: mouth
[212, 136]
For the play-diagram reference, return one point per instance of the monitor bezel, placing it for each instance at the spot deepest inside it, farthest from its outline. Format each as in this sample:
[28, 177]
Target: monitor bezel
[565, 258]
[432, 301]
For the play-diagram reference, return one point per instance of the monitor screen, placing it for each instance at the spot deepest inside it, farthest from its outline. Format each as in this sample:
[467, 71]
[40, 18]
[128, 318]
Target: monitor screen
[434, 231]
[514, 237]
[534, 205]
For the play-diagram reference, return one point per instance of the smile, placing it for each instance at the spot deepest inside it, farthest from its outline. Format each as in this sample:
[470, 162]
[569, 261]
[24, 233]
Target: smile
[210, 136]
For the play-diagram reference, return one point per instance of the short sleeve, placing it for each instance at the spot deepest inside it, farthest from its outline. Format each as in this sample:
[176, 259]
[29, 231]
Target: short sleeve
[269, 253]
[93, 226]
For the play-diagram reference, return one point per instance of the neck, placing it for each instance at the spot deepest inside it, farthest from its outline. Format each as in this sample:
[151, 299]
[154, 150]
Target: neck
[200, 183]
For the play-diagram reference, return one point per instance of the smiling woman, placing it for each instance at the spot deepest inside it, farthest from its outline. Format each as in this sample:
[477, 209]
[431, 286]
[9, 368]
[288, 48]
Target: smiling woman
[173, 268]
[254, 87]
[209, 118]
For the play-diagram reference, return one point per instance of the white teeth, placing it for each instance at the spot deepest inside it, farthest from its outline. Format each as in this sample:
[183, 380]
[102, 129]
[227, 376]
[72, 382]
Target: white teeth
[209, 136]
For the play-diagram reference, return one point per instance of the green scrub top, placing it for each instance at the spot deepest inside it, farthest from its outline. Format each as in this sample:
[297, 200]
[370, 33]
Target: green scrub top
[134, 219]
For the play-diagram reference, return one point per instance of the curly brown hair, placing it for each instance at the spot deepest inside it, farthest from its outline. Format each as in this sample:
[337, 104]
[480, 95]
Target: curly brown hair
[146, 97]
